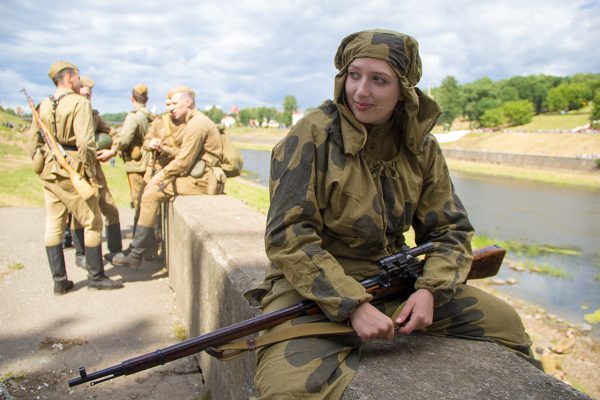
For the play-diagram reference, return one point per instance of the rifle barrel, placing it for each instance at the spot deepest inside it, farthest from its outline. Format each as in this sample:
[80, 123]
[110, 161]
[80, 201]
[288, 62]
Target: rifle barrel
[488, 256]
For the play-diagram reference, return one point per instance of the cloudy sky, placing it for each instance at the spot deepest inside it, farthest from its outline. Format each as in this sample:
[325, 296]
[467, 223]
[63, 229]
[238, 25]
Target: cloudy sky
[252, 53]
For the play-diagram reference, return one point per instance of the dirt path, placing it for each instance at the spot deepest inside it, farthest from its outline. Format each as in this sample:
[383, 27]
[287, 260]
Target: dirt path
[44, 338]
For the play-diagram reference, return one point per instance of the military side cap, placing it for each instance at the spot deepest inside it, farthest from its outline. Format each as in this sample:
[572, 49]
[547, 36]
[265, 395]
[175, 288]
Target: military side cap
[59, 66]
[179, 89]
[87, 81]
[140, 89]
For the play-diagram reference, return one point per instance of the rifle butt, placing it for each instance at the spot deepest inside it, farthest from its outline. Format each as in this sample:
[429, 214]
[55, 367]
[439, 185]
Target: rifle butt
[486, 262]
[83, 188]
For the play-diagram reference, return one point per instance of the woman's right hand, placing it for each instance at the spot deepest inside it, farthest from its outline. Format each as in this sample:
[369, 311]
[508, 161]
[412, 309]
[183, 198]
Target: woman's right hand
[370, 323]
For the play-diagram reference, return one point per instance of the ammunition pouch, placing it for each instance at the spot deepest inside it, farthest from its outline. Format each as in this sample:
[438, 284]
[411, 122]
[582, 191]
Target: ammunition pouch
[38, 160]
[198, 170]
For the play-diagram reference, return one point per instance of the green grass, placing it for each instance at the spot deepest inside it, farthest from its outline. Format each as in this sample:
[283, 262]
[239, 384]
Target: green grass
[117, 182]
[551, 121]
[250, 193]
[16, 266]
[528, 250]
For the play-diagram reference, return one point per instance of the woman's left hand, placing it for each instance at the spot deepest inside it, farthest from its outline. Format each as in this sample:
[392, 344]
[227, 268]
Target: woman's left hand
[417, 313]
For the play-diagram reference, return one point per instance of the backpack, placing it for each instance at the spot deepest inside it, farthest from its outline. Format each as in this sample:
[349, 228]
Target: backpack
[233, 161]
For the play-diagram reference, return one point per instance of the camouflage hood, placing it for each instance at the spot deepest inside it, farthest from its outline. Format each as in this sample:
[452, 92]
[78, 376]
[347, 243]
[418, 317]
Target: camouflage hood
[417, 112]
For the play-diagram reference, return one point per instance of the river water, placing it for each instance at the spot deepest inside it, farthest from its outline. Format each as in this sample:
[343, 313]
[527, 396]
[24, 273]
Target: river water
[530, 213]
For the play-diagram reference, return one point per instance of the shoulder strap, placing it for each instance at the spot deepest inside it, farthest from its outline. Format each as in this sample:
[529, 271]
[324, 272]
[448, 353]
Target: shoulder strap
[55, 101]
[235, 349]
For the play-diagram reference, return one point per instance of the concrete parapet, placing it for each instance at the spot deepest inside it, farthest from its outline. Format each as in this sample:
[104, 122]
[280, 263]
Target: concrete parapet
[569, 163]
[216, 252]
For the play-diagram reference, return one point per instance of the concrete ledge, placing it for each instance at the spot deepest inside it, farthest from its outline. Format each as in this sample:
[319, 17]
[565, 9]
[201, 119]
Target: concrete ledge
[216, 252]
[582, 164]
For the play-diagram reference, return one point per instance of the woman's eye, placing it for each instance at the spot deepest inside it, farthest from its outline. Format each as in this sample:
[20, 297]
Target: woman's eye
[353, 75]
[379, 80]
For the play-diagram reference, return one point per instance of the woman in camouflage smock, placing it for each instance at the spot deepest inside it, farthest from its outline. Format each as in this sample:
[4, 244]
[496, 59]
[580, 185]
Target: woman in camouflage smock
[346, 184]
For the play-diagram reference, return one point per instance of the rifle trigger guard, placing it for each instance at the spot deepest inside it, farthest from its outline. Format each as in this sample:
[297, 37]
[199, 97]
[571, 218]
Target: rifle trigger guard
[211, 351]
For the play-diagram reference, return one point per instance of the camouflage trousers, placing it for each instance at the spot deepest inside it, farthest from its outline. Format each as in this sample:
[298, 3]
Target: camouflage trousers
[322, 367]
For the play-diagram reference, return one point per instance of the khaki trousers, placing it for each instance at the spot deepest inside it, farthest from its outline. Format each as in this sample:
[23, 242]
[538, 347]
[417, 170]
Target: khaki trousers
[185, 185]
[61, 198]
[108, 207]
[322, 367]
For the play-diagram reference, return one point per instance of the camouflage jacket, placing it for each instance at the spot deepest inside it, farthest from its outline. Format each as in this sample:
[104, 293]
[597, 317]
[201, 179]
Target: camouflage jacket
[335, 210]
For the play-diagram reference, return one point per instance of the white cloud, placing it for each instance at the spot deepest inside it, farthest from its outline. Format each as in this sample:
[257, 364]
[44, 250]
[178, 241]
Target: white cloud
[253, 53]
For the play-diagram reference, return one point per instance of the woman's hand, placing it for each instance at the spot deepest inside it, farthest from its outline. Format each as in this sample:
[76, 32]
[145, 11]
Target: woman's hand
[370, 323]
[417, 313]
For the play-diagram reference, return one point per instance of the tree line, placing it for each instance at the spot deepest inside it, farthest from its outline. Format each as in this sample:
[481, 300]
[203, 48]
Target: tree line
[243, 117]
[514, 101]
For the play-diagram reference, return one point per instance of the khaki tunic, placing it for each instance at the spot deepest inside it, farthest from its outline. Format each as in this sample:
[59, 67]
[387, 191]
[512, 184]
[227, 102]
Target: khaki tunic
[72, 124]
[108, 206]
[183, 144]
[132, 134]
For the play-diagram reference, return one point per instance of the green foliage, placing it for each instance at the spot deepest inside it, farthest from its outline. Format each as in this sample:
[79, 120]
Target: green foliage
[451, 99]
[215, 114]
[595, 117]
[593, 318]
[259, 114]
[568, 96]
[493, 117]
[290, 104]
[518, 112]
[114, 117]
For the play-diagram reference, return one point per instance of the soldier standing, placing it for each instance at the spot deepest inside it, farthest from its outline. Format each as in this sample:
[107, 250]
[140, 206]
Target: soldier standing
[189, 154]
[69, 117]
[131, 140]
[106, 146]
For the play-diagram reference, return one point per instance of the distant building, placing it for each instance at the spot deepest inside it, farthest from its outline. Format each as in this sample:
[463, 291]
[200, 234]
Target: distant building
[297, 116]
[228, 121]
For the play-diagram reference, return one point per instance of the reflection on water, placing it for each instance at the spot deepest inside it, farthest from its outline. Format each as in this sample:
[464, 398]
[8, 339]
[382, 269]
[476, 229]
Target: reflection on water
[528, 212]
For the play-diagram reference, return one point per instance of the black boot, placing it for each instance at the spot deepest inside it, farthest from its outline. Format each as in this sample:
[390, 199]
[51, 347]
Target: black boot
[56, 260]
[113, 239]
[95, 267]
[132, 257]
[78, 240]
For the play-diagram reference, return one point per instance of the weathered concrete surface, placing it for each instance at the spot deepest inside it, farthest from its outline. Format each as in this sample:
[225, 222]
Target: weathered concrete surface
[45, 338]
[420, 367]
[568, 163]
[216, 253]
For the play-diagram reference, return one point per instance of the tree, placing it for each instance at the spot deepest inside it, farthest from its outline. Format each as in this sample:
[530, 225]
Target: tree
[568, 96]
[595, 117]
[518, 112]
[289, 106]
[493, 117]
[451, 99]
[215, 114]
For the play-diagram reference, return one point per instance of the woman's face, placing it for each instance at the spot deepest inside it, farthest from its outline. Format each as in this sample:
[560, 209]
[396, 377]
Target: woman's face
[372, 90]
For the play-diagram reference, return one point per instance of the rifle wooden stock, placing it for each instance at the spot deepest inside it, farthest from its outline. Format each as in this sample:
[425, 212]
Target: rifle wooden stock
[486, 262]
[83, 188]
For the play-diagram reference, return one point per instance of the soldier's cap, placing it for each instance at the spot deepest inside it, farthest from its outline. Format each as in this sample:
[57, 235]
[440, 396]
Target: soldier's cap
[140, 89]
[59, 66]
[180, 89]
[87, 81]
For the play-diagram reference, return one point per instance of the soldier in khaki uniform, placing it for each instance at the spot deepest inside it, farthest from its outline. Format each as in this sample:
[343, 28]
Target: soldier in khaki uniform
[346, 184]
[189, 153]
[131, 139]
[108, 207]
[69, 117]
